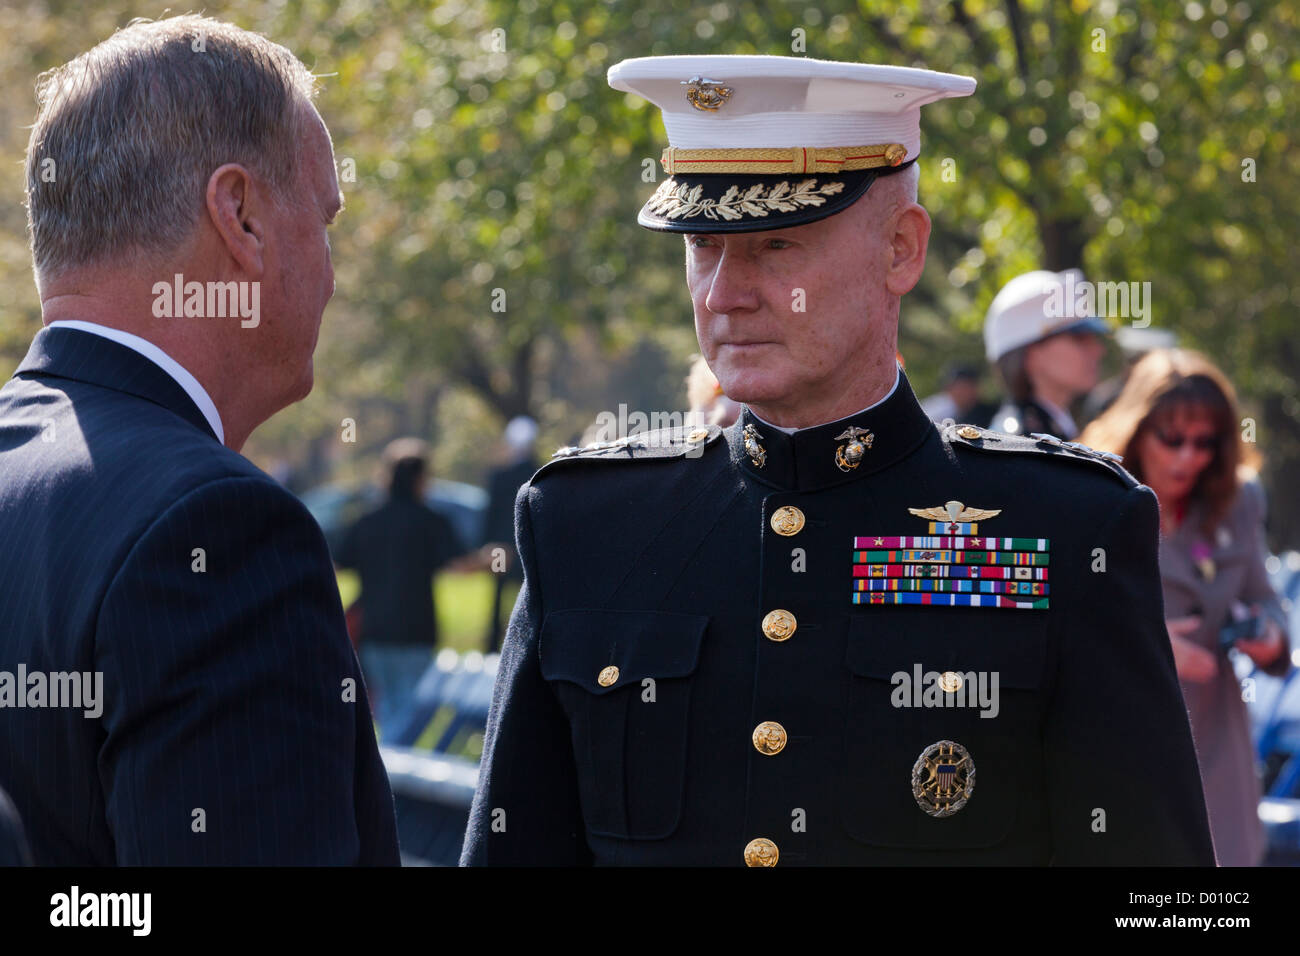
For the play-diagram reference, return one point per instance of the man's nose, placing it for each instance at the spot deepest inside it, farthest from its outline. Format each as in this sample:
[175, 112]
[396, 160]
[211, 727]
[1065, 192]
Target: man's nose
[733, 287]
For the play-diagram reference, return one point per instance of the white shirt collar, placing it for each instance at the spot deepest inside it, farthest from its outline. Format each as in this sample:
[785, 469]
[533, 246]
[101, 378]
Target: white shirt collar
[791, 431]
[1063, 419]
[153, 353]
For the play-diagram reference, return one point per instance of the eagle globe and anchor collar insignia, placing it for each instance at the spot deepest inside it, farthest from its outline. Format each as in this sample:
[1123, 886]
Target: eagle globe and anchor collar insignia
[848, 457]
[943, 778]
[952, 566]
[757, 454]
[838, 452]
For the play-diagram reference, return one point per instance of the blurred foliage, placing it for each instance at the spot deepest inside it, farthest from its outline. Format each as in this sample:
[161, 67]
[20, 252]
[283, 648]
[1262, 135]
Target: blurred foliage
[489, 154]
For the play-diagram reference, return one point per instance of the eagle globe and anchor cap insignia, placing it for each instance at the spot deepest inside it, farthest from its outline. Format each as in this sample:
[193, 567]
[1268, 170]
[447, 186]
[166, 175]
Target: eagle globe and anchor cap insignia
[706, 94]
[943, 778]
[953, 566]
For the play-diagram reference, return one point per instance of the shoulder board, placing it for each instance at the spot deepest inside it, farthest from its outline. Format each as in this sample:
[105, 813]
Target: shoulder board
[686, 441]
[1037, 443]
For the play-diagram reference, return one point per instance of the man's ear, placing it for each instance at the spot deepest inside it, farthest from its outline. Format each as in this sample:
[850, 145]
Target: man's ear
[232, 209]
[911, 238]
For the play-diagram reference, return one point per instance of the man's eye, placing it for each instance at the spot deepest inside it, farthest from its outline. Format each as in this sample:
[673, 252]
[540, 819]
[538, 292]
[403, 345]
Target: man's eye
[778, 244]
[700, 242]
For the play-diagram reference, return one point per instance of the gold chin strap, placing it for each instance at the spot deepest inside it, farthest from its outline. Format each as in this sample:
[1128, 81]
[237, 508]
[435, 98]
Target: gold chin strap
[792, 159]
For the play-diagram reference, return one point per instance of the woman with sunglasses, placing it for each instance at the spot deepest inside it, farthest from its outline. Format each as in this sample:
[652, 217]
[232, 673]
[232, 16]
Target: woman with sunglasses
[1176, 424]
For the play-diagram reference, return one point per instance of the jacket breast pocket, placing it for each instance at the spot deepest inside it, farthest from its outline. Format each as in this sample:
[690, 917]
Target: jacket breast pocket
[623, 679]
[919, 679]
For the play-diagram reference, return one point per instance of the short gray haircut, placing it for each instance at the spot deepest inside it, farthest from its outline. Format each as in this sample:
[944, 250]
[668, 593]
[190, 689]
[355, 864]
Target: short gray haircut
[904, 181]
[128, 134]
[911, 177]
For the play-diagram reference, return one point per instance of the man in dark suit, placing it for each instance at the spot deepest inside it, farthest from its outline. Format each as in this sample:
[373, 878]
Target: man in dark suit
[209, 708]
[835, 633]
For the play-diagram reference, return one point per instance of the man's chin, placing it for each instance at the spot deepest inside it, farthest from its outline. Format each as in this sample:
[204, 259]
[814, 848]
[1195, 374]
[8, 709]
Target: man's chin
[753, 388]
[306, 383]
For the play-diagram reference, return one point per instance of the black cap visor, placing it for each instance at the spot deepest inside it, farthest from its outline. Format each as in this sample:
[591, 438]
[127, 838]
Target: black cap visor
[751, 202]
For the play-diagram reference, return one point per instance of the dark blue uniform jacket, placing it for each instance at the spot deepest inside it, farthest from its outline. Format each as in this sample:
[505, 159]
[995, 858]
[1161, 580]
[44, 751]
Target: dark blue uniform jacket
[663, 562]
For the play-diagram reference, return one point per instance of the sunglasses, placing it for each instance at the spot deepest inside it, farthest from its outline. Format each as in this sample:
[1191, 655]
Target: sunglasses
[1177, 441]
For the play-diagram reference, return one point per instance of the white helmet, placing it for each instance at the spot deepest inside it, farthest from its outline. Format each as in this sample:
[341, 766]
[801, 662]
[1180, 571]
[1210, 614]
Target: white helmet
[1032, 307]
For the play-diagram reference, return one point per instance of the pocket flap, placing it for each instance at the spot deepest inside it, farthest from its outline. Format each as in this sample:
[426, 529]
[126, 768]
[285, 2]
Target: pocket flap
[577, 645]
[964, 640]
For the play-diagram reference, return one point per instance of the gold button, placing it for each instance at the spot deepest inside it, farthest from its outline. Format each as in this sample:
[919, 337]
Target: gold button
[779, 625]
[968, 431]
[698, 434]
[769, 738]
[787, 520]
[608, 676]
[950, 681]
[761, 852]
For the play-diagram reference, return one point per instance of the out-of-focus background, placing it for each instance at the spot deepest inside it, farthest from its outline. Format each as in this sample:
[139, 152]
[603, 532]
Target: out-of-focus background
[489, 265]
[481, 149]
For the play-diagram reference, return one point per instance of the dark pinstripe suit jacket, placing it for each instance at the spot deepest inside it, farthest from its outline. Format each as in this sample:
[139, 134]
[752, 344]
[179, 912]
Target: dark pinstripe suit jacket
[234, 726]
[13, 844]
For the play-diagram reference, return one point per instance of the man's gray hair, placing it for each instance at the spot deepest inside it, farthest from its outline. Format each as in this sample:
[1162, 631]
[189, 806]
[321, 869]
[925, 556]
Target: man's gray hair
[894, 189]
[128, 134]
[910, 176]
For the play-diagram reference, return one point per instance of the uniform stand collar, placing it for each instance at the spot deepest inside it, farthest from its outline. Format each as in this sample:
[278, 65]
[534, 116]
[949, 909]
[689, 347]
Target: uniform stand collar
[808, 460]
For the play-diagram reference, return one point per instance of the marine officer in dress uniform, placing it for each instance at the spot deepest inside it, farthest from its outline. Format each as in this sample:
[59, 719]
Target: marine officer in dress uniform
[834, 633]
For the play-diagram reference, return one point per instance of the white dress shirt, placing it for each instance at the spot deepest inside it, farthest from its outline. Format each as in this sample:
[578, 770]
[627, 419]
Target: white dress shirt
[197, 393]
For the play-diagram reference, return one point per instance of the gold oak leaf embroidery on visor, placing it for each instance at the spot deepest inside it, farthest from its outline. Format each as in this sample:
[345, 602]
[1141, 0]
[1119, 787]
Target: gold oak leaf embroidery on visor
[675, 200]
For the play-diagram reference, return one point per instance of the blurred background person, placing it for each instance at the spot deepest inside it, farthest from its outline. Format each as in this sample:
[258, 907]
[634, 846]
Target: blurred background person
[708, 405]
[959, 397]
[396, 549]
[1046, 362]
[1133, 344]
[705, 401]
[1177, 425]
[503, 482]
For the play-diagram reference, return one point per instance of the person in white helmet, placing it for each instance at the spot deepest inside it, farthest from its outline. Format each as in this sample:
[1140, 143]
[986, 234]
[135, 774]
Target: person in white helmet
[1047, 361]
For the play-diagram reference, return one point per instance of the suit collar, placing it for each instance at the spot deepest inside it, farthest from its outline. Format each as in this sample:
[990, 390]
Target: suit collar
[86, 357]
[823, 456]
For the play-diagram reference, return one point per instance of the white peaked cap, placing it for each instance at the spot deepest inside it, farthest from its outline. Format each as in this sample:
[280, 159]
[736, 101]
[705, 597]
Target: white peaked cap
[786, 101]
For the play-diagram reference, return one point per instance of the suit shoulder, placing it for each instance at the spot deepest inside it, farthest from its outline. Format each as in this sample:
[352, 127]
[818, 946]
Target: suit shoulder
[968, 439]
[211, 469]
[245, 498]
[683, 443]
